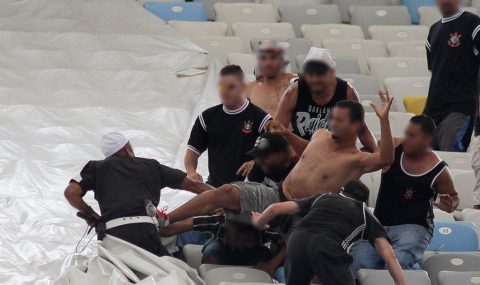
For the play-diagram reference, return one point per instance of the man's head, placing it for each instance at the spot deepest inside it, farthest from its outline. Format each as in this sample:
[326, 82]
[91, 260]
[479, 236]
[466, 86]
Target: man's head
[231, 85]
[346, 119]
[357, 190]
[449, 7]
[116, 144]
[419, 134]
[270, 59]
[319, 69]
[271, 152]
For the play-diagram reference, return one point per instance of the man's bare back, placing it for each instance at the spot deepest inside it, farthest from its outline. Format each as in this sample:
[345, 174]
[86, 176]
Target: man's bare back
[267, 94]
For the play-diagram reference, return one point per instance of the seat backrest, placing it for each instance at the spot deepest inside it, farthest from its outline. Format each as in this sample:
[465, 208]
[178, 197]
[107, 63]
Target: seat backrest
[246, 61]
[210, 4]
[292, 48]
[220, 46]
[344, 5]
[361, 49]
[472, 216]
[277, 3]
[245, 13]
[193, 255]
[440, 215]
[457, 160]
[464, 278]
[413, 6]
[372, 181]
[459, 262]
[454, 237]
[318, 33]
[200, 29]
[236, 274]
[299, 15]
[398, 122]
[383, 68]
[407, 49]
[379, 15]
[344, 64]
[249, 31]
[182, 11]
[406, 86]
[364, 84]
[382, 277]
[464, 184]
[398, 33]
[430, 15]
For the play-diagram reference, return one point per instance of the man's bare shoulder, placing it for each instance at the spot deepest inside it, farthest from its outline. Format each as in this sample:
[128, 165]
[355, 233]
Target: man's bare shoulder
[322, 133]
[287, 77]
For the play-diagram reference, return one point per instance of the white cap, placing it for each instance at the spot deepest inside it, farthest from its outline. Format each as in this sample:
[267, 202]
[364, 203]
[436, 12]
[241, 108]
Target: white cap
[321, 54]
[112, 142]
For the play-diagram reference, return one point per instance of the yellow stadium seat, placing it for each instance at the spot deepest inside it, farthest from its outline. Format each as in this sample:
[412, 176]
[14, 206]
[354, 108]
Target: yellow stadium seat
[414, 104]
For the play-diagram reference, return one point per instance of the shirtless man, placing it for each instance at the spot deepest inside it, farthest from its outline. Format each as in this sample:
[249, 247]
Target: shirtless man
[326, 164]
[272, 82]
[307, 104]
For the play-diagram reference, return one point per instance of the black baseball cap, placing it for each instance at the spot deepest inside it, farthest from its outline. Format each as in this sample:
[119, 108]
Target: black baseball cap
[267, 144]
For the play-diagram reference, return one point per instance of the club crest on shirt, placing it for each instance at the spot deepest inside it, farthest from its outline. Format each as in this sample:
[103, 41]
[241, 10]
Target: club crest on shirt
[247, 127]
[408, 195]
[455, 40]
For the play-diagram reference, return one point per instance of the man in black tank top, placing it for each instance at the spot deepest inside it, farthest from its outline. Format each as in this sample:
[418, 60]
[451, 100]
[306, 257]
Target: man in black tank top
[409, 188]
[307, 104]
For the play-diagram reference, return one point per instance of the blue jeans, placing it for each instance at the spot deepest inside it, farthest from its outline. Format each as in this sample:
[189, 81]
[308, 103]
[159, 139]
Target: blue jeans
[408, 241]
[192, 237]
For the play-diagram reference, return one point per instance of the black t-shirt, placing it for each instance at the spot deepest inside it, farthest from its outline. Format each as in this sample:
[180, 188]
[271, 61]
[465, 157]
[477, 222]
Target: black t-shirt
[122, 183]
[228, 135]
[452, 50]
[341, 218]
[271, 180]
[404, 198]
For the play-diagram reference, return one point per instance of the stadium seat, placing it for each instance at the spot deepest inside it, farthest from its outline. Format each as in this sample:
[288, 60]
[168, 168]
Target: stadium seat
[406, 86]
[292, 47]
[440, 215]
[464, 184]
[398, 122]
[454, 237]
[277, 3]
[210, 4]
[458, 262]
[236, 274]
[413, 6]
[249, 31]
[344, 6]
[245, 13]
[372, 181]
[382, 277]
[299, 15]
[344, 64]
[365, 16]
[472, 216]
[181, 11]
[407, 49]
[457, 160]
[246, 61]
[383, 68]
[459, 278]
[362, 49]
[193, 255]
[220, 46]
[431, 15]
[364, 84]
[318, 33]
[398, 33]
[200, 29]
[415, 104]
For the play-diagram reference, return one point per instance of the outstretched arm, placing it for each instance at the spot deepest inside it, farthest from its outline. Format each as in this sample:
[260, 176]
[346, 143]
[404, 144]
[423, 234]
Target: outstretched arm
[298, 144]
[386, 156]
[286, 208]
[386, 252]
[195, 187]
[286, 105]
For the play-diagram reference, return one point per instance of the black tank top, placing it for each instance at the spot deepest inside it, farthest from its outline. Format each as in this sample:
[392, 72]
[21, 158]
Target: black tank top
[404, 198]
[308, 116]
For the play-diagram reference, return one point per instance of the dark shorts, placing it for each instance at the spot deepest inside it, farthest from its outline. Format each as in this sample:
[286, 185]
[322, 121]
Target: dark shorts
[226, 255]
[453, 132]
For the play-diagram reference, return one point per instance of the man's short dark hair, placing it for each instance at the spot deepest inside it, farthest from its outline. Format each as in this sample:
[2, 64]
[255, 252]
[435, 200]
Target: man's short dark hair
[357, 113]
[426, 123]
[357, 190]
[234, 70]
[315, 67]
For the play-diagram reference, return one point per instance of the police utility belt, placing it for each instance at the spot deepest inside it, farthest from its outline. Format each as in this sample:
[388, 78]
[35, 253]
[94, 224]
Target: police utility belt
[128, 220]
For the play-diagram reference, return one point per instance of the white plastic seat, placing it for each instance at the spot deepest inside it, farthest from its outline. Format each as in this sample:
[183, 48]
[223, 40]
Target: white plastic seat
[220, 46]
[460, 278]
[318, 33]
[440, 215]
[245, 13]
[464, 184]
[362, 49]
[383, 68]
[366, 16]
[246, 61]
[193, 255]
[398, 122]
[236, 274]
[364, 84]
[431, 15]
[299, 15]
[407, 49]
[210, 6]
[472, 216]
[406, 86]
[344, 5]
[382, 277]
[249, 31]
[398, 33]
[277, 3]
[435, 263]
[372, 181]
[200, 29]
[457, 160]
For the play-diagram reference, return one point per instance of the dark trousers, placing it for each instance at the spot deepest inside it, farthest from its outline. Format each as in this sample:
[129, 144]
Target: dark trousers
[142, 235]
[315, 254]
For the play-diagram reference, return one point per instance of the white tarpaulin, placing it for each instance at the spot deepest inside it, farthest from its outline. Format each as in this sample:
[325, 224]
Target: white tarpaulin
[71, 70]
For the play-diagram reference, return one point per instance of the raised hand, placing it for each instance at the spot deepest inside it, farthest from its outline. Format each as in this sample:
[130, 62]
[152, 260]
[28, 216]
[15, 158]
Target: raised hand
[275, 127]
[383, 110]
